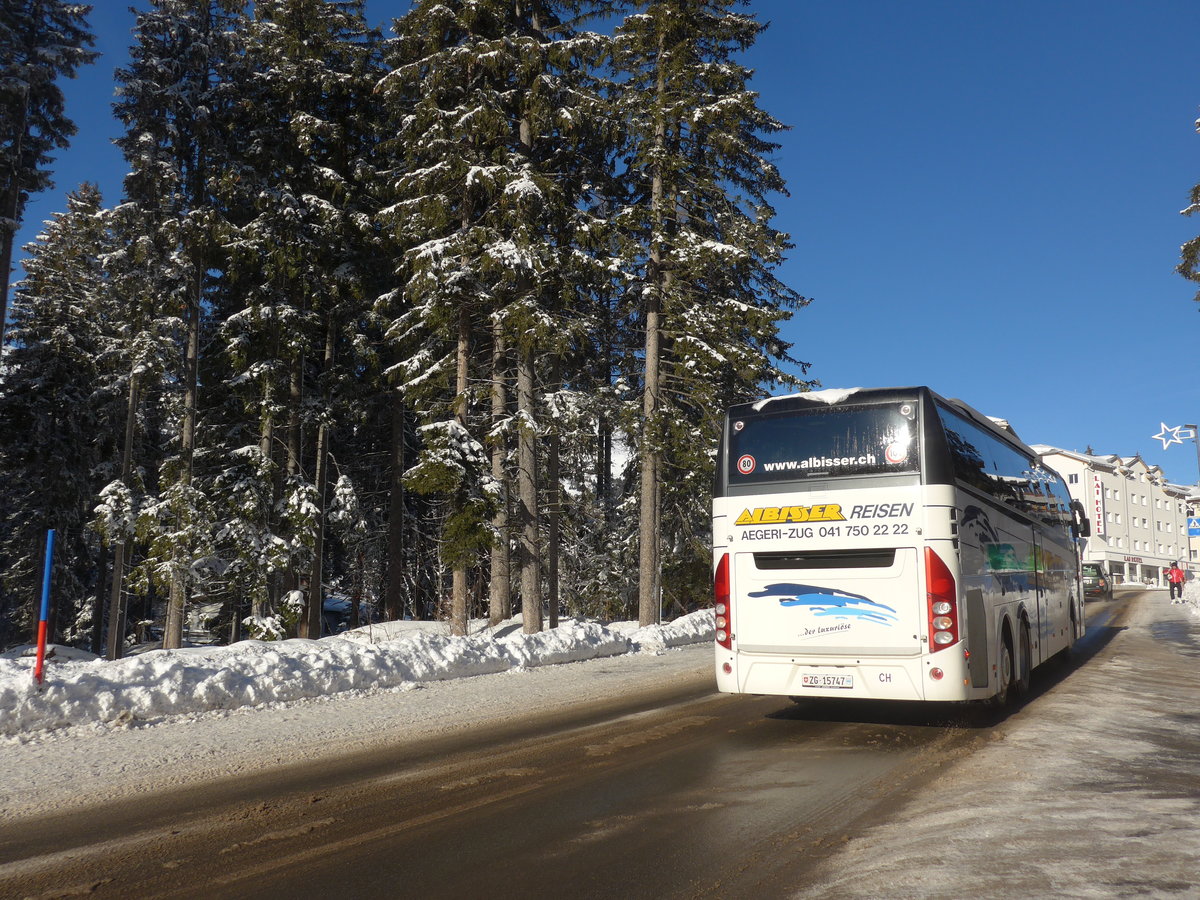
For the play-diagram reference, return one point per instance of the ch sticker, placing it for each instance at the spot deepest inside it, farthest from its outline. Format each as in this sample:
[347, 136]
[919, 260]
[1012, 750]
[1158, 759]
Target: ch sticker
[746, 464]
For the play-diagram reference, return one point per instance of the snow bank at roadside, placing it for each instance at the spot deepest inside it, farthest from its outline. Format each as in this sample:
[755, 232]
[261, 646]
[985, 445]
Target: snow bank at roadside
[164, 683]
[1191, 597]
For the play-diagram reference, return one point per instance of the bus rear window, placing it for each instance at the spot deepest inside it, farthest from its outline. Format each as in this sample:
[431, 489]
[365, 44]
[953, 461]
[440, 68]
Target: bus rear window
[823, 443]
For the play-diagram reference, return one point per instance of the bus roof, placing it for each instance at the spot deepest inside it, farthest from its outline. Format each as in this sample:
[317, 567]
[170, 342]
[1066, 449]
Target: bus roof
[837, 396]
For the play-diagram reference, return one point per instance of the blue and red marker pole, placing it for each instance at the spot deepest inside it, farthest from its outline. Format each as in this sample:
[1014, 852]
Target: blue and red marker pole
[45, 616]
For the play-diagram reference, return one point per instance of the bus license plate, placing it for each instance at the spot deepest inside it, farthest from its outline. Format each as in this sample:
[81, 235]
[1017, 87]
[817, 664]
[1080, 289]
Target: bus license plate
[813, 680]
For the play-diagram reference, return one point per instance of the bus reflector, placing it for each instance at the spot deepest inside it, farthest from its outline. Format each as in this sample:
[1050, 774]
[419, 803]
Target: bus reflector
[942, 595]
[722, 607]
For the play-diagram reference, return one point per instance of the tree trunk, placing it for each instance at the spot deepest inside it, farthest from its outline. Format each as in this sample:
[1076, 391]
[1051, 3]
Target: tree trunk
[173, 634]
[310, 625]
[554, 508]
[295, 400]
[648, 499]
[356, 589]
[266, 436]
[8, 234]
[116, 604]
[531, 580]
[12, 206]
[458, 588]
[500, 584]
[604, 429]
[531, 593]
[648, 558]
[97, 637]
[295, 441]
[394, 600]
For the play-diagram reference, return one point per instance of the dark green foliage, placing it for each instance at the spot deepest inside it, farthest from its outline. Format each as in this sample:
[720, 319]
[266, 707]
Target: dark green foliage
[59, 400]
[335, 249]
[40, 42]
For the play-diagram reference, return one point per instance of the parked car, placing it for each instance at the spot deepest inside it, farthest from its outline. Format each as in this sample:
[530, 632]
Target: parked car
[1097, 584]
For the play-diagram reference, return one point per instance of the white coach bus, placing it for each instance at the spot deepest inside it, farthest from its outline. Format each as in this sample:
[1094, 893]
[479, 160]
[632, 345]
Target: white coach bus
[888, 543]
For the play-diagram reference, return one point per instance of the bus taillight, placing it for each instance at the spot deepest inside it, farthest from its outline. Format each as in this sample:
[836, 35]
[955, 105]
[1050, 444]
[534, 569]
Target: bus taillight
[942, 597]
[722, 608]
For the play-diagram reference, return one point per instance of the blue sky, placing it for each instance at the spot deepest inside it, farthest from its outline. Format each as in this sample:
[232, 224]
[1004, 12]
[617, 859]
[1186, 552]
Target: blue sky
[984, 198]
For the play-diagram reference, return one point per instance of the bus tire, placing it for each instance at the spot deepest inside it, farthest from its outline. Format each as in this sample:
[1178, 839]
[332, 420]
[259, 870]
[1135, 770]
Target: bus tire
[1024, 665]
[1005, 670]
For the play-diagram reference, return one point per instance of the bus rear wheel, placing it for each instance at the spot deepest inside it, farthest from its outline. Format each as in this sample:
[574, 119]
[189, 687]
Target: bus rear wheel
[1006, 672]
[1025, 666]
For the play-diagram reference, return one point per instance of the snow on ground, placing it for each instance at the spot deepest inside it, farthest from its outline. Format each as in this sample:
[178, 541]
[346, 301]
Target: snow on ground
[165, 683]
[102, 731]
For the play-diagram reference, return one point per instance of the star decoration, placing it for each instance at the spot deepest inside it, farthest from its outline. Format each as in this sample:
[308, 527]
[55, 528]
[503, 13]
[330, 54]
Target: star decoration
[1169, 435]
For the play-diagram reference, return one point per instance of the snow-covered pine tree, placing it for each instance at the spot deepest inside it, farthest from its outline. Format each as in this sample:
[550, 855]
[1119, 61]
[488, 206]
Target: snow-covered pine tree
[40, 41]
[492, 124]
[303, 254]
[139, 345]
[566, 141]
[443, 106]
[174, 100]
[405, 359]
[703, 251]
[59, 421]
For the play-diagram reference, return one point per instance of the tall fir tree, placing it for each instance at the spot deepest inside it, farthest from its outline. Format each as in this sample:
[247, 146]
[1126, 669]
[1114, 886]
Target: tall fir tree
[303, 252]
[58, 411]
[495, 130]
[442, 95]
[40, 42]
[174, 100]
[701, 250]
[140, 346]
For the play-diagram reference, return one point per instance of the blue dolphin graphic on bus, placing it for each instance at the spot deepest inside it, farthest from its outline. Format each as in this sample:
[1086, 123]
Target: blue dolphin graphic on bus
[830, 603]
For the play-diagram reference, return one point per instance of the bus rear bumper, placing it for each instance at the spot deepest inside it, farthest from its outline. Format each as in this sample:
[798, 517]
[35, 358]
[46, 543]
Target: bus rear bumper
[907, 679]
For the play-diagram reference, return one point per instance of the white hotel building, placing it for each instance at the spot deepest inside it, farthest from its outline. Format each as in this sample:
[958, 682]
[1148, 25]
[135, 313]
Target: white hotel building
[1139, 519]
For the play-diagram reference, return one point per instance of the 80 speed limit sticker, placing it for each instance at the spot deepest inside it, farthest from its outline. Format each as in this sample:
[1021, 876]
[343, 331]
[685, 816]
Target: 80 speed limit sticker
[746, 464]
